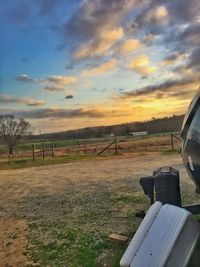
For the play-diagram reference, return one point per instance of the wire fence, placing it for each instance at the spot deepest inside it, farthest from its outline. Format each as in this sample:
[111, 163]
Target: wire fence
[114, 146]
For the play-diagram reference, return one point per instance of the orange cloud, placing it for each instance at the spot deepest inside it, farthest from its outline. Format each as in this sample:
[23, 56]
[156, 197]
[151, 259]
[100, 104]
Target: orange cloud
[8, 99]
[100, 45]
[141, 65]
[104, 68]
[130, 46]
[62, 80]
[159, 14]
[161, 100]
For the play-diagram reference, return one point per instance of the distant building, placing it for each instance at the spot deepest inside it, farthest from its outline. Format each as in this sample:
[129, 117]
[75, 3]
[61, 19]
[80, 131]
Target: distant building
[108, 135]
[138, 133]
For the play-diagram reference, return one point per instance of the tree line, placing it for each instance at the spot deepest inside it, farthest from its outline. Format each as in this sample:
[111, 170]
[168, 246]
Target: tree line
[163, 125]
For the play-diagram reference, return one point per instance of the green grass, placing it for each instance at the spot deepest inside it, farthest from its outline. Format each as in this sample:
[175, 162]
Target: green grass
[18, 163]
[79, 238]
[198, 217]
[29, 162]
[170, 152]
[68, 245]
[74, 240]
[72, 247]
[131, 198]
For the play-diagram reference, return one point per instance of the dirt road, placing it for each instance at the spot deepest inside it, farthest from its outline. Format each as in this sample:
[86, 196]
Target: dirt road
[29, 193]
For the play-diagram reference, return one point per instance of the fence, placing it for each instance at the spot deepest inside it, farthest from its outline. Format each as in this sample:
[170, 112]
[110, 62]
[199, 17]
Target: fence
[173, 137]
[42, 151]
[109, 146]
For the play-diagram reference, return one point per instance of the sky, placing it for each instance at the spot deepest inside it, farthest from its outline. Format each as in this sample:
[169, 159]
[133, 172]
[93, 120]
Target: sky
[69, 64]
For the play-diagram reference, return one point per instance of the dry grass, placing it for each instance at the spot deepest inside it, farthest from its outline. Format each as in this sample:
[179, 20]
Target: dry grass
[126, 146]
[65, 212]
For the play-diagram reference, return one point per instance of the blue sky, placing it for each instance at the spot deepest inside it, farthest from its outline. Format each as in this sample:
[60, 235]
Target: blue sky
[71, 64]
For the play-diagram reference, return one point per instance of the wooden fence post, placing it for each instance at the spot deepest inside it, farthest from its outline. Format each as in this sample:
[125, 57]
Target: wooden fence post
[116, 147]
[52, 150]
[33, 150]
[9, 161]
[172, 141]
[78, 142]
[106, 148]
[43, 148]
[95, 148]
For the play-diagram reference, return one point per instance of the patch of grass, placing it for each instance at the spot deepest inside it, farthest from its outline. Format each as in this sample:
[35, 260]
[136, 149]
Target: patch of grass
[72, 229]
[131, 198]
[188, 198]
[68, 246]
[57, 144]
[120, 252]
[170, 152]
[198, 217]
[28, 162]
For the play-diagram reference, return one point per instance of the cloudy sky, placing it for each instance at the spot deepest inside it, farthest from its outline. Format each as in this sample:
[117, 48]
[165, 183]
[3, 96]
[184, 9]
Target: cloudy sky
[67, 64]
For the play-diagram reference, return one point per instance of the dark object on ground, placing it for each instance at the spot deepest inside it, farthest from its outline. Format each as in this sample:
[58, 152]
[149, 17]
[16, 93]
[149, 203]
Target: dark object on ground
[140, 214]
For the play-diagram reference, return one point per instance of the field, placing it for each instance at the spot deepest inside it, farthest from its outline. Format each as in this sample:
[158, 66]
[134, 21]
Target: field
[61, 215]
[75, 150]
[60, 211]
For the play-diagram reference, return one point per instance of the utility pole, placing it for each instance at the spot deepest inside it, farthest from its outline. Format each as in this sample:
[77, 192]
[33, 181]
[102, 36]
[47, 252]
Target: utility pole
[40, 133]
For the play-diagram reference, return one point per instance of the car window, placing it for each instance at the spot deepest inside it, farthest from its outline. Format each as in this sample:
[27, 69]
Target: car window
[194, 130]
[192, 104]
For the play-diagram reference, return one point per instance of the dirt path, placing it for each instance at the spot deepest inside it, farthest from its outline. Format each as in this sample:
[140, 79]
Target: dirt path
[20, 188]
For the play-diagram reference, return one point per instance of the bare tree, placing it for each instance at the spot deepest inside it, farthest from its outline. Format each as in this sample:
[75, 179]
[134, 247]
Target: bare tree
[12, 130]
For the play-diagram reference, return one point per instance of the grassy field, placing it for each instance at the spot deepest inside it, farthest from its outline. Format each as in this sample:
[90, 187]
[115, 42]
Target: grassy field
[27, 146]
[61, 215]
[69, 151]
[62, 212]
[17, 163]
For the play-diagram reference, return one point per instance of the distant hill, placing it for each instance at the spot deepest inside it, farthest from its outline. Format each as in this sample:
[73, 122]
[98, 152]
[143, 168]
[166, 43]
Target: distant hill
[163, 125]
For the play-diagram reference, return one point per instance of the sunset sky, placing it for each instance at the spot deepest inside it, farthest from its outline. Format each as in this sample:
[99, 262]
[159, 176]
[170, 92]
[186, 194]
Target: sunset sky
[68, 64]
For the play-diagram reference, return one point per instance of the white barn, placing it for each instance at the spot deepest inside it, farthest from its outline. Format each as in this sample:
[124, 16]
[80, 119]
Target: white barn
[138, 133]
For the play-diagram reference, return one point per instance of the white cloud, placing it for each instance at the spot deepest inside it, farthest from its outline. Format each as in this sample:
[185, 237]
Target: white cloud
[24, 77]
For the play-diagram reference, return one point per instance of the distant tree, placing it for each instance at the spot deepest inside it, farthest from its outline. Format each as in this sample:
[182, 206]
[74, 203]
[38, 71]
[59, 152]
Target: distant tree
[12, 130]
